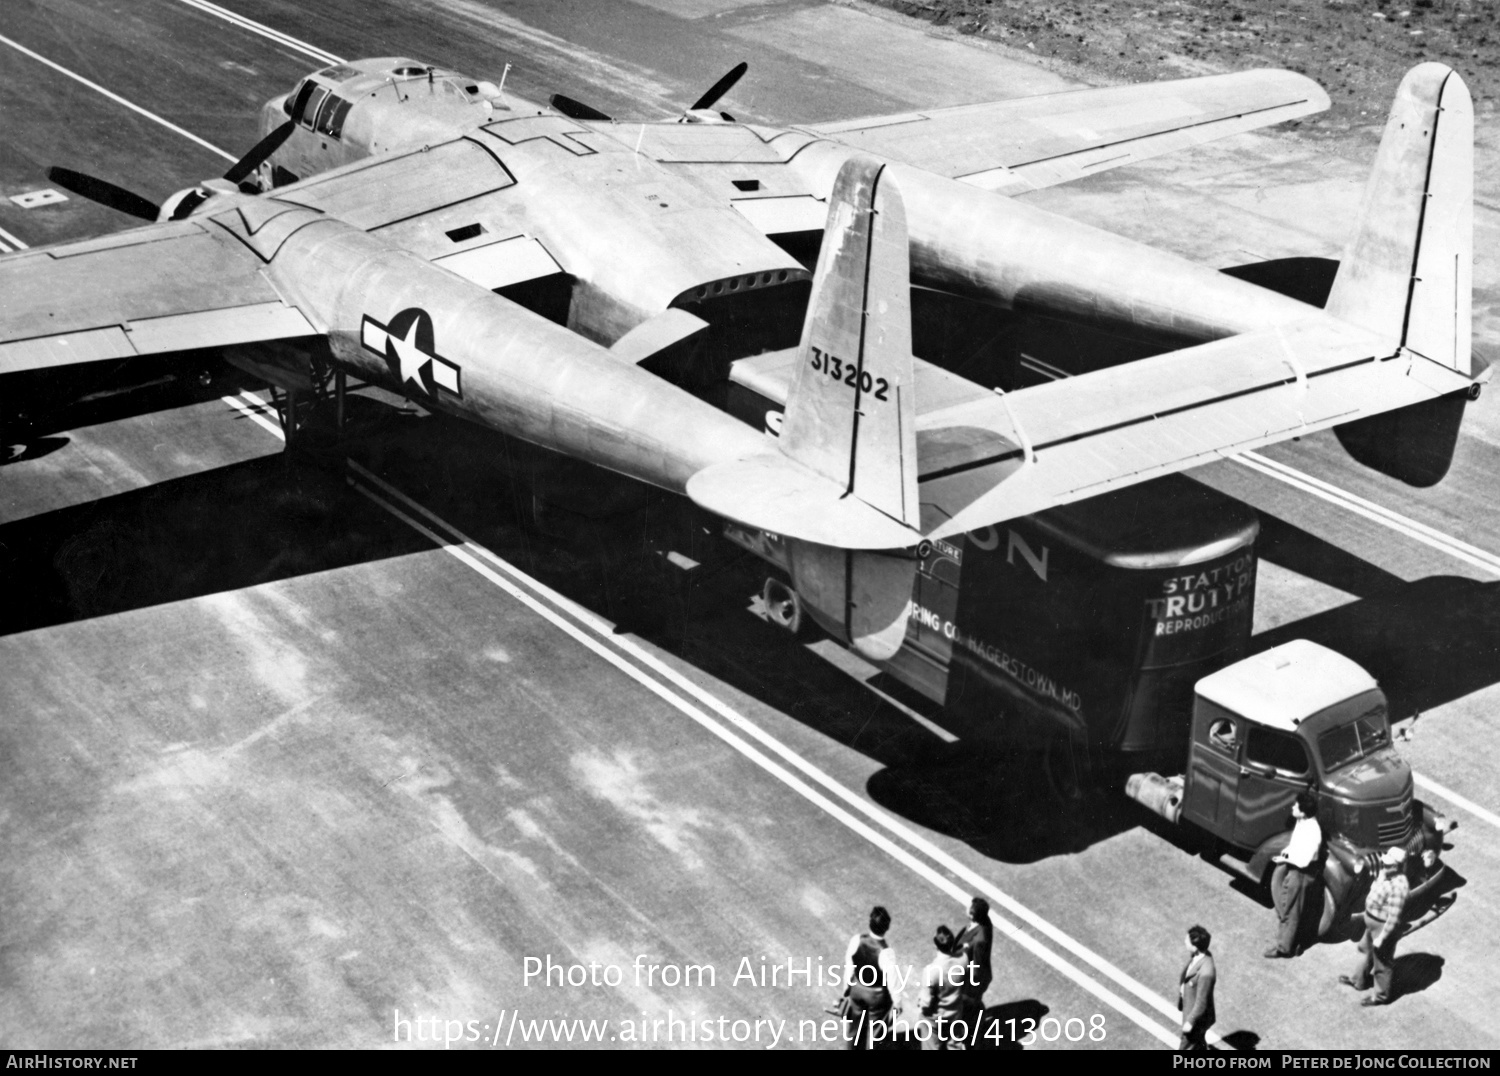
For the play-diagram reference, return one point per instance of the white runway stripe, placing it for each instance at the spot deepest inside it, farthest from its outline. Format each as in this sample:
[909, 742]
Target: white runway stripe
[252, 406]
[265, 31]
[153, 117]
[470, 551]
[1429, 785]
[1326, 491]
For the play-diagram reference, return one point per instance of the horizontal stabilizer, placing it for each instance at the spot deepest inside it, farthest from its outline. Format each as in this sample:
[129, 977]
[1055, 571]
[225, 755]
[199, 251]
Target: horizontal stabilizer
[1082, 436]
[773, 493]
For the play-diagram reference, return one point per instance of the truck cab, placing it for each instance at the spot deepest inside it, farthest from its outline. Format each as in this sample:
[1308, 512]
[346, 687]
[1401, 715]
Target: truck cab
[1300, 716]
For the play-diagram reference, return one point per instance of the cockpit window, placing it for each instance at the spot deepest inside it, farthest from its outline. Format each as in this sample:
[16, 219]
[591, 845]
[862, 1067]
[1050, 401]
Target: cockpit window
[299, 102]
[331, 116]
[309, 110]
[339, 72]
[1347, 743]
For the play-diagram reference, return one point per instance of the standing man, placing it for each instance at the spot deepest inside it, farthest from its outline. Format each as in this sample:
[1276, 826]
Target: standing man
[943, 994]
[1195, 993]
[1301, 859]
[870, 971]
[974, 942]
[1383, 908]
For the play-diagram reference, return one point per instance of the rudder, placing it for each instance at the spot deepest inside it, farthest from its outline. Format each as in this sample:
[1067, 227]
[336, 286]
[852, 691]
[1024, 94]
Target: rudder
[851, 410]
[1407, 273]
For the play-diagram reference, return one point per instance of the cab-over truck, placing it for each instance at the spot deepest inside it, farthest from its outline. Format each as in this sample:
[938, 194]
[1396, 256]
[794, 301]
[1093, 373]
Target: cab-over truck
[1299, 716]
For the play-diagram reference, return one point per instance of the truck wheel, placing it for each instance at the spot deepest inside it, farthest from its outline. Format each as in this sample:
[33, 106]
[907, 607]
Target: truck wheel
[783, 606]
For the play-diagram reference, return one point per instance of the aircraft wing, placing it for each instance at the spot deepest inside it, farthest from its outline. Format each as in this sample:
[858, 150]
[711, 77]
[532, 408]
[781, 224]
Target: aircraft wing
[164, 287]
[1033, 142]
[986, 460]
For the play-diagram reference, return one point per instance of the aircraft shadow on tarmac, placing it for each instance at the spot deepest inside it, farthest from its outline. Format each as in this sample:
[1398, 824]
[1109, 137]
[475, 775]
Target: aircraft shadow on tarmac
[603, 542]
[33, 449]
[1427, 642]
[223, 529]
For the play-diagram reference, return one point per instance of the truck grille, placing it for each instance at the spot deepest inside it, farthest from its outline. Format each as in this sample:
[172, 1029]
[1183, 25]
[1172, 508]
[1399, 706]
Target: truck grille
[1395, 828]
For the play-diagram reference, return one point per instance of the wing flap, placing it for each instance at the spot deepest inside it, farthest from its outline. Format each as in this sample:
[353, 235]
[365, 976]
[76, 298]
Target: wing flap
[1089, 434]
[160, 288]
[1034, 142]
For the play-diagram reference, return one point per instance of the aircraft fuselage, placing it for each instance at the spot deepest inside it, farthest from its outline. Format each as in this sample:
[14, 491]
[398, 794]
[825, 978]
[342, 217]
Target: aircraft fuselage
[643, 217]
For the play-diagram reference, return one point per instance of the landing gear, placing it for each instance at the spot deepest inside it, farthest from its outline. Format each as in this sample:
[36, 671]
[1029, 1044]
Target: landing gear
[305, 387]
[783, 606]
[297, 406]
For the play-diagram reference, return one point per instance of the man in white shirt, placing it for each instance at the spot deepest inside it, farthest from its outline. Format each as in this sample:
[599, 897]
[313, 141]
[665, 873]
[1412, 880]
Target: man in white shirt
[1302, 861]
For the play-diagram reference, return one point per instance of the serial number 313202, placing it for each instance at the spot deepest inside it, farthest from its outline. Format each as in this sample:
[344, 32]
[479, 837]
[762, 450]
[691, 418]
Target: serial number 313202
[849, 374]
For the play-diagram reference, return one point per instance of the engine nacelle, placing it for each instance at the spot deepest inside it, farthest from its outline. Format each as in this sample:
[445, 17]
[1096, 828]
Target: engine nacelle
[182, 205]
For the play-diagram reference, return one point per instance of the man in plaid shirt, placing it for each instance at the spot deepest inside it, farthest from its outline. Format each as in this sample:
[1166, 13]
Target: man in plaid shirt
[1383, 908]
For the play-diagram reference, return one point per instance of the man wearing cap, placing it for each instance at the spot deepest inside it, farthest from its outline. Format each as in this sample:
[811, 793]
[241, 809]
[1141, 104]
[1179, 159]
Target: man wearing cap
[1383, 908]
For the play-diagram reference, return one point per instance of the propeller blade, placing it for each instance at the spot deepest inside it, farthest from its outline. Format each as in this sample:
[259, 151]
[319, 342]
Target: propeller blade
[576, 109]
[97, 190]
[720, 88]
[259, 152]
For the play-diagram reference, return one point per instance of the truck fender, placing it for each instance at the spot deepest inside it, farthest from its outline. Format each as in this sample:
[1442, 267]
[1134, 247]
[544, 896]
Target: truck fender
[1435, 825]
[1338, 885]
[1269, 848]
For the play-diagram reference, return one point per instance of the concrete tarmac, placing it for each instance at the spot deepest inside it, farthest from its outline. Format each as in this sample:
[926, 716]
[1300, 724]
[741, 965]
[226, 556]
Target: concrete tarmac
[285, 773]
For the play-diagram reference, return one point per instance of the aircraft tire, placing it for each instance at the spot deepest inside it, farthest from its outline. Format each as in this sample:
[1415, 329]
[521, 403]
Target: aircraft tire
[783, 606]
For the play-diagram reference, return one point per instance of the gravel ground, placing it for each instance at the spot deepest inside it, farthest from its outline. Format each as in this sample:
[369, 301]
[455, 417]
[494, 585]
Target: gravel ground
[1357, 50]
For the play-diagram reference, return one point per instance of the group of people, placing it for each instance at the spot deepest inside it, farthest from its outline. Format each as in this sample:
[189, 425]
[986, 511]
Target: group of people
[1299, 870]
[953, 984]
[1384, 904]
[952, 988]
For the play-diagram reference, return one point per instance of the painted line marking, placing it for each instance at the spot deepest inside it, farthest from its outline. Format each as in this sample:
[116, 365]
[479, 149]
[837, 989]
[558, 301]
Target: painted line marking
[12, 240]
[1454, 798]
[1420, 532]
[472, 554]
[264, 31]
[253, 411]
[44, 196]
[117, 98]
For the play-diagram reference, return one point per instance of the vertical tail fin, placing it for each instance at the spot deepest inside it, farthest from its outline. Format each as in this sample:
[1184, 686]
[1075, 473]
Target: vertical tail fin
[1407, 273]
[851, 410]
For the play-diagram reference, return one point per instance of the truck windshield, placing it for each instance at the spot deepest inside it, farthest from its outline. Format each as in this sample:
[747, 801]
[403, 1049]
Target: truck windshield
[1346, 743]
